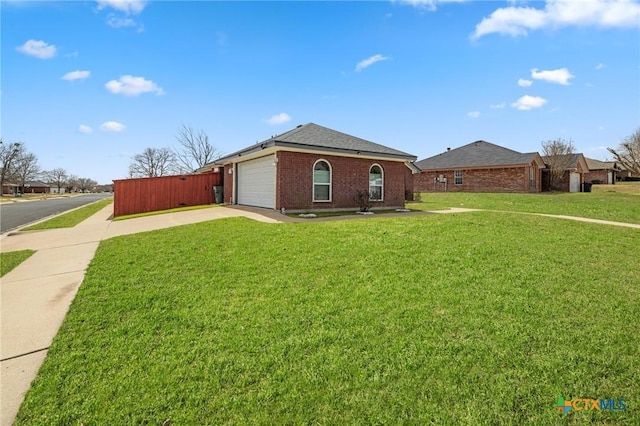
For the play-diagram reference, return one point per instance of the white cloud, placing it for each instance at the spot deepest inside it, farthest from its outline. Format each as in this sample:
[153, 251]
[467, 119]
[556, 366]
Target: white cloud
[281, 118]
[76, 75]
[133, 7]
[118, 22]
[38, 48]
[83, 128]
[365, 63]
[129, 85]
[518, 21]
[526, 103]
[473, 114]
[124, 10]
[560, 76]
[600, 66]
[524, 83]
[498, 106]
[112, 126]
[427, 4]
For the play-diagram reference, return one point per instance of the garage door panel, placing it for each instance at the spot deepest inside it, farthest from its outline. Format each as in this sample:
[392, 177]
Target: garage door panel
[257, 182]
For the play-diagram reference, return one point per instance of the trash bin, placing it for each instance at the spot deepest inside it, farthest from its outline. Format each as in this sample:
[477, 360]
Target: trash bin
[217, 194]
[586, 187]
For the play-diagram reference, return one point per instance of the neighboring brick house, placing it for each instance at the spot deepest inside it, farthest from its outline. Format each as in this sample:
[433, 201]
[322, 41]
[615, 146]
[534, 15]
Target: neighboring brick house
[36, 187]
[623, 173]
[601, 171]
[573, 177]
[10, 189]
[480, 167]
[312, 168]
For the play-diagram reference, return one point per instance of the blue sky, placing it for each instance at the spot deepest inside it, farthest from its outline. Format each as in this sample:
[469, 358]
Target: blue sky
[88, 84]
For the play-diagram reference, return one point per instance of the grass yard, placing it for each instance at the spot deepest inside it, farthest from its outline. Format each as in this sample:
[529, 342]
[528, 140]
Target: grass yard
[476, 318]
[71, 219]
[621, 204]
[9, 260]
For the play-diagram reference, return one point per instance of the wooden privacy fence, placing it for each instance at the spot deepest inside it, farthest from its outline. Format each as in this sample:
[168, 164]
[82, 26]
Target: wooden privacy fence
[143, 195]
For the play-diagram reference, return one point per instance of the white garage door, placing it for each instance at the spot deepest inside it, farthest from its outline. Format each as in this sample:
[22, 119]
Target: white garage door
[257, 182]
[574, 182]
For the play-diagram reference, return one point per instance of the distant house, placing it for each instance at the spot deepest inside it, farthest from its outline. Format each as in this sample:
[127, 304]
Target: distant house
[480, 167]
[313, 168]
[9, 188]
[574, 174]
[623, 173]
[36, 187]
[601, 171]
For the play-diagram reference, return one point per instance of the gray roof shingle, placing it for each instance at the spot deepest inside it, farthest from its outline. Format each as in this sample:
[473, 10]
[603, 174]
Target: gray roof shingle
[594, 164]
[476, 154]
[313, 137]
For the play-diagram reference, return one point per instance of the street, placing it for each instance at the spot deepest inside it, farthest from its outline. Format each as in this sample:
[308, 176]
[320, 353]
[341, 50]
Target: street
[15, 215]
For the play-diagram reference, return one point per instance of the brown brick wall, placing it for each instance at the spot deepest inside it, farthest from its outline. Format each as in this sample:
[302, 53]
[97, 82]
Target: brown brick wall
[228, 183]
[294, 181]
[513, 179]
[601, 175]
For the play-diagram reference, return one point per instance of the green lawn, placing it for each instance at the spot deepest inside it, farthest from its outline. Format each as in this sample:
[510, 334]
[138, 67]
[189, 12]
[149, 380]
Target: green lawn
[9, 260]
[71, 219]
[476, 318]
[617, 206]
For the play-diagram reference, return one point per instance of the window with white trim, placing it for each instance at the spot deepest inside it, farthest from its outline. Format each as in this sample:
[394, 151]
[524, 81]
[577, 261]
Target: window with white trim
[321, 181]
[376, 183]
[457, 177]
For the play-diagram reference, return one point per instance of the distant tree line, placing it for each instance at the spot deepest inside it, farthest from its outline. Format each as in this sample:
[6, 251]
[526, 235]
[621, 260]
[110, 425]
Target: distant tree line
[18, 166]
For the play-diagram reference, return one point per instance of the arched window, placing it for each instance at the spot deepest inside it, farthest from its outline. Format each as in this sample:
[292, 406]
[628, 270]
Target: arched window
[321, 181]
[376, 183]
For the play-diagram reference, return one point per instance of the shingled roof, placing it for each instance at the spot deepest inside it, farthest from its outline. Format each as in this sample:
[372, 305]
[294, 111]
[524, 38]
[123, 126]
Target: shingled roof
[314, 137]
[601, 165]
[476, 154]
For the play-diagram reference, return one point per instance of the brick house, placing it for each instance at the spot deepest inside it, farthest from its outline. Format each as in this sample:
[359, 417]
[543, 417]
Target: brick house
[480, 167]
[312, 168]
[601, 171]
[573, 178]
[36, 187]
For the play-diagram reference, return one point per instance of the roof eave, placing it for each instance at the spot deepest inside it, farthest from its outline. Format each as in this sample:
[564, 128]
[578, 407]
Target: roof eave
[404, 156]
[304, 147]
[488, 166]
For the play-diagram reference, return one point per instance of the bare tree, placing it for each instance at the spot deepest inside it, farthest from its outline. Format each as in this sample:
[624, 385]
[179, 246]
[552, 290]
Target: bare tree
[558, 155]
[153, 162]
[27, 168]
[72, 184]
[195, 150]
[86, 184]
[628, 153]
[9, 153]
[57, 177]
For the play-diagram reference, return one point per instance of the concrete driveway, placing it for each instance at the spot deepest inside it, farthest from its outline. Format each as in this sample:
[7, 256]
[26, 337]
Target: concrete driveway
[37, 294]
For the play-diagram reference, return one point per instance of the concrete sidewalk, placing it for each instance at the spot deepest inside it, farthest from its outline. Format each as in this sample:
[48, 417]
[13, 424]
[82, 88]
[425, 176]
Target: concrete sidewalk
[36, 296]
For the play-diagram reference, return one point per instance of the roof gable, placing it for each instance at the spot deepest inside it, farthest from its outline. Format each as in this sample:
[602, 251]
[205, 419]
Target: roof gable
[313, 137]
[476, 154]
[571, 160]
